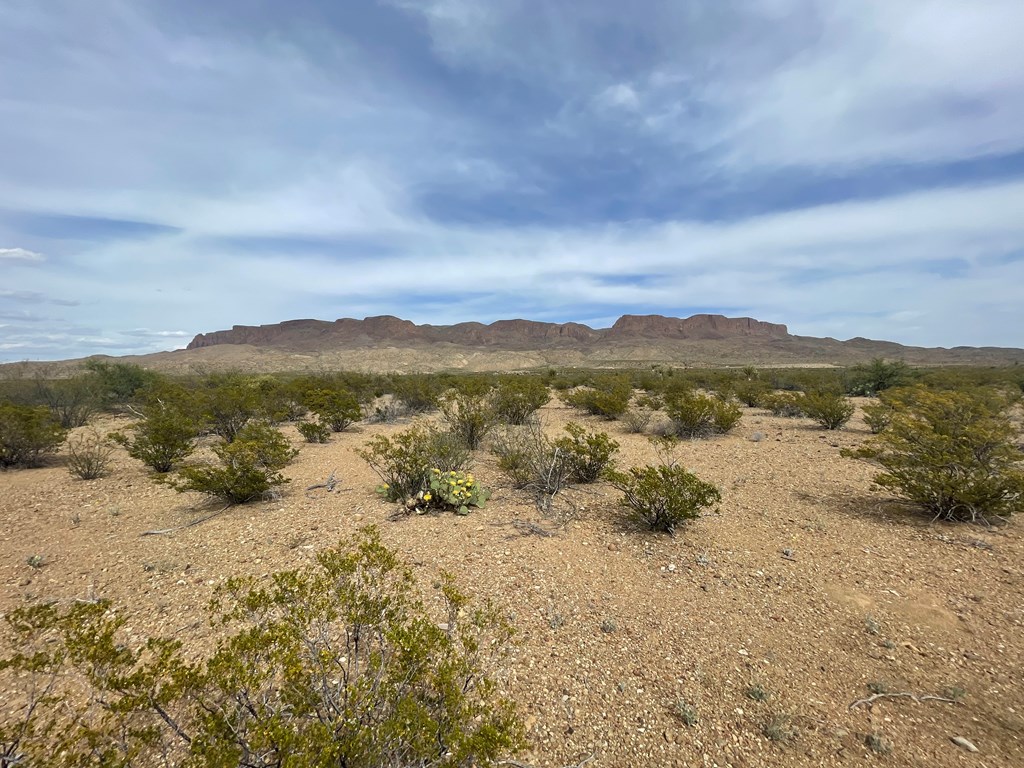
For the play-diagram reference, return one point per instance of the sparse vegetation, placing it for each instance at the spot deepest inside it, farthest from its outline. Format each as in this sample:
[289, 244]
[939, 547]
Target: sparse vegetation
[608, 397]
[830, 409]
[952, 453]
[27, 435]
[335, 664]
[404, 461]
[314, 431]
[532, 462]
[250, 466]
[694, 415]
[589, 454]
[517, 398]
[470, 415]
[786, 404]
[89, 455]
[663, 497]
[164, 436]
[337, 409]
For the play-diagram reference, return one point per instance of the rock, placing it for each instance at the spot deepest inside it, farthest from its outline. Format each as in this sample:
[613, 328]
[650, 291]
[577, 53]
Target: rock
[963, 743]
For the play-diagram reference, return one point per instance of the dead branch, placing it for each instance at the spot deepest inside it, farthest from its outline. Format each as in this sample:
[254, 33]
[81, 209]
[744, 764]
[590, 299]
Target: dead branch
[902, 695]
[165, 531]
[329, 484]
[527, 528]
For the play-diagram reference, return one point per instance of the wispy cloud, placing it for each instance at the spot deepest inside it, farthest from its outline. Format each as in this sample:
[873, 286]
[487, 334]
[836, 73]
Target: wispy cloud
[20, 254]
[833, 168]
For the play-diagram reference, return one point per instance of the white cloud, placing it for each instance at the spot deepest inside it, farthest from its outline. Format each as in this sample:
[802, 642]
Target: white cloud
[20, 254]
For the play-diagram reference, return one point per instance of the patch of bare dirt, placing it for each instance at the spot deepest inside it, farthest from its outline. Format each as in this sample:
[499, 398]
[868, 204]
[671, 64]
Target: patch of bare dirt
[806, 586]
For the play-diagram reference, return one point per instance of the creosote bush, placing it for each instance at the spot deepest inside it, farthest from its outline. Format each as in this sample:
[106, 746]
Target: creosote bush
[470, 415]
[694, 415]
[28, 434]
[789, 405]
[89, 455]
[163, 436]
[403, 461]
[830, 409]
[314, 431]
[663, 496]
[250, 465]
[952, 453]
[336, 664]
[589, 454]
[532, 462]
[609, 397]
[517, 398]
[338, 409]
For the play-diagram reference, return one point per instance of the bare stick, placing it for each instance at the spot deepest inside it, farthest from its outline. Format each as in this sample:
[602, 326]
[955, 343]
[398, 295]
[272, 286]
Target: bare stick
[904, 695]
[164, 531]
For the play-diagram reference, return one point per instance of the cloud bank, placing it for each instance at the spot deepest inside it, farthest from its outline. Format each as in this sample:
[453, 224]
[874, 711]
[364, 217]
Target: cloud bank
[849, 172]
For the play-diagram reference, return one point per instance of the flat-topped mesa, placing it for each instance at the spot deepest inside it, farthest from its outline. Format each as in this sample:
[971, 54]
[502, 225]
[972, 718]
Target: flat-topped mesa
[512, 334]
[695, 327]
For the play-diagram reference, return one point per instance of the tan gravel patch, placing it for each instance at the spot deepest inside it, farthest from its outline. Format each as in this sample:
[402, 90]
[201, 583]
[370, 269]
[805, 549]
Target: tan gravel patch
[616, 625]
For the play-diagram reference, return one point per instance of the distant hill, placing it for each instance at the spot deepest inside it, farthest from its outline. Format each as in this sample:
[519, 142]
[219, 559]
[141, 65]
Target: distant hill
[386, 344]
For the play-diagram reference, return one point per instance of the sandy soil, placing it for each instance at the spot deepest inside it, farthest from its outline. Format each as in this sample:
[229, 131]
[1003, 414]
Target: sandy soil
[618, 625]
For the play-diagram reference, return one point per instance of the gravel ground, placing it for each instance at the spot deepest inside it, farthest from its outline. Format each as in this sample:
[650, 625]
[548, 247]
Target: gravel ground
[763, 621]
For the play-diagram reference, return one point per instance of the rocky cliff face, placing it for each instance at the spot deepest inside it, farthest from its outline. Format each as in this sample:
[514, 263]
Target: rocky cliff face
[514, 334]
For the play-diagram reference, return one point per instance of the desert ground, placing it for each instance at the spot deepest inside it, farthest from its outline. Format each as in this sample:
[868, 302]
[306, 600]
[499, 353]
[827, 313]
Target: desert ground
[769, 618]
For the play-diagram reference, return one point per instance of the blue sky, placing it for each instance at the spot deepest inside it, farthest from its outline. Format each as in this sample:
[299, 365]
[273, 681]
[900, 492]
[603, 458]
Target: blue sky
[169, 168]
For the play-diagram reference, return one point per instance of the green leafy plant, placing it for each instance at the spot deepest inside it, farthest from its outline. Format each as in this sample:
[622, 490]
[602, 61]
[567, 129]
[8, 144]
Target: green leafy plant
[663, 496]
[751, 391]
[72, 401]
[789, 405]
[418, 392]
[119, 383]
[230, 402]
[877, 376]
[589, 454]
[830, 409]
[336, 664]
[609, 397]
[517, 398]
[952, 453]
[89, 455]
[163, 436]
[694, 415]
[338, 409]
[314, 431]
[28, 434]
[249, 466]
[403, 461]
[470, 415]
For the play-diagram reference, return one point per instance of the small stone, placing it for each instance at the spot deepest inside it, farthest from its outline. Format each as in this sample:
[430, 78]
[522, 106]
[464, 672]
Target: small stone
[672, 567]
[743, 652]
[963, 743]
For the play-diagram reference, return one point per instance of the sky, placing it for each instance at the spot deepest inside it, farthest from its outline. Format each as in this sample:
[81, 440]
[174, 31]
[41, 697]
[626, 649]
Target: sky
[172, 167]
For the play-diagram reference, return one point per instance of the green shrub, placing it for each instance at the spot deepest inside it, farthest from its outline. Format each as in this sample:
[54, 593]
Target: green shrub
[786, 404]
[517, 398]
[336, 664]
[337, 409]
[119, 383]
[418, 392]
[830, 409]
[229, 403]
[470, 415]
[694, 415]
[27, 434]
[663, 496]
[589, 454]
[609, 397]
[162, 437]
[878, 415]
[877, 376]
[314, 431]
[89, 455]
[952, 453]
[72, 401]
[250, 465]
[404, 460]
[751, 392]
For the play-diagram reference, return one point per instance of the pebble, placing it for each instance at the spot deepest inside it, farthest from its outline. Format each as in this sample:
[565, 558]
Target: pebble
[963, 743]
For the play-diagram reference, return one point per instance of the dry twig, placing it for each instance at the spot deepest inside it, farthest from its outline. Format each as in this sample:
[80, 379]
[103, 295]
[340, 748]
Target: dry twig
[902, 695]
[164, 531]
